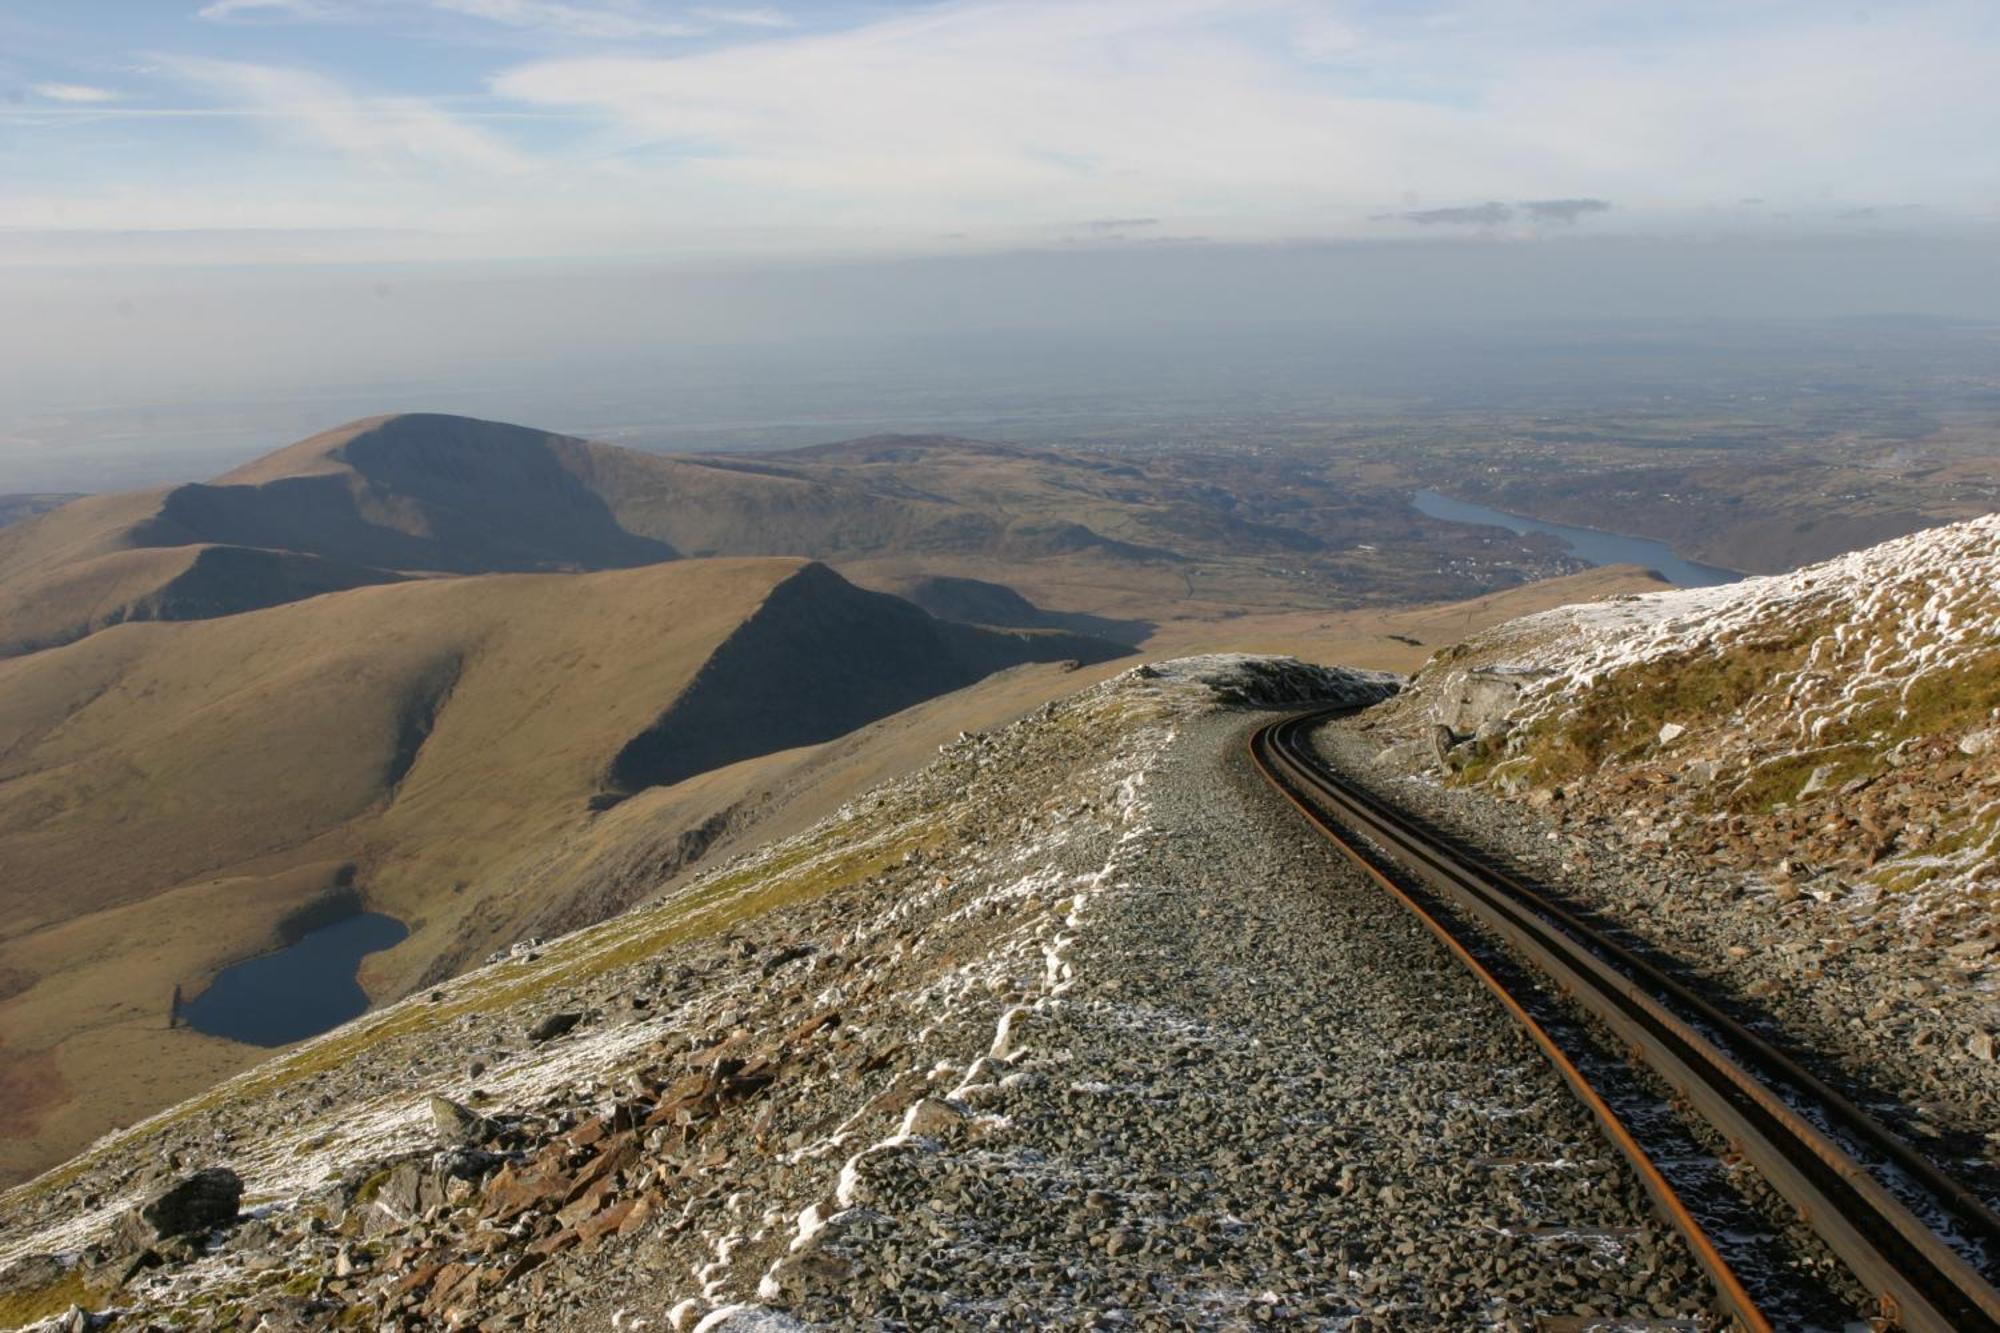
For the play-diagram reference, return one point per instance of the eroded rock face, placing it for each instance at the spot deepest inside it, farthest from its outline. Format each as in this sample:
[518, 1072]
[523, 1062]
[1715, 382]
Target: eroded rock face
[201, 1202]
[1483, 698]
[1258, 681]
[31, 1273]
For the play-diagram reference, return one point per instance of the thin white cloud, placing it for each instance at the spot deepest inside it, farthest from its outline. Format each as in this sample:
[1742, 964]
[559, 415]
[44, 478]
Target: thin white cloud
[1268, 112]
[219, 10]
[75, 93]
[383, 131]
[1121, 107]
[746, 18]
[610, 22]
[1006, 120]
[1322, 38]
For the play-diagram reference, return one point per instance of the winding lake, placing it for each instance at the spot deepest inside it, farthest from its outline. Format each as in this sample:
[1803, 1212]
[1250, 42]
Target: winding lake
[298, 992]
[1587, 544]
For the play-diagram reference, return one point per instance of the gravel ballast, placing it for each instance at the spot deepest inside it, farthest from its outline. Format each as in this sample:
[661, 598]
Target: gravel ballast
[1264, 1095]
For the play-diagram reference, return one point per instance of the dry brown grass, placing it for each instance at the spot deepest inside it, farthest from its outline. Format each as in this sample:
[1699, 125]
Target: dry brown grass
[174, 792]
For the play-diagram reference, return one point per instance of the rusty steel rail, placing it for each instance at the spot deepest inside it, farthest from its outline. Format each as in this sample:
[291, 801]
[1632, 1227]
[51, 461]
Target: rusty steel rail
[1788, 1123]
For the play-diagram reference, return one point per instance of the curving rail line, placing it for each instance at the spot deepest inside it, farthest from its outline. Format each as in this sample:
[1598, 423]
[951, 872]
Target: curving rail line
[1919, 1247]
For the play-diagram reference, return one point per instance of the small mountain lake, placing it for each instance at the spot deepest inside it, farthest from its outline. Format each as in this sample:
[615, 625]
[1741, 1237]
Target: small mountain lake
[1589, 545]
[298, 992]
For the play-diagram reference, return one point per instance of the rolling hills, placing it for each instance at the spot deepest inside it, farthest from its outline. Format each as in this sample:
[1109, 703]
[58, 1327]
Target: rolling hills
[425, 495]
[172, 796]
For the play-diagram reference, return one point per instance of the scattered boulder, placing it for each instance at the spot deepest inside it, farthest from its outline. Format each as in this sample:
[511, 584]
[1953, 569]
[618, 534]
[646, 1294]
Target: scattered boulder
[931, 1118]
[1484, 696]
[1979, 742]
[458, 1125]
[551, 1026]
[203, 1201]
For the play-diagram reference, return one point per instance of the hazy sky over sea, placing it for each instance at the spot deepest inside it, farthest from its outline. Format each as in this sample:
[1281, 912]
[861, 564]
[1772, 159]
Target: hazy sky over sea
[207, 198]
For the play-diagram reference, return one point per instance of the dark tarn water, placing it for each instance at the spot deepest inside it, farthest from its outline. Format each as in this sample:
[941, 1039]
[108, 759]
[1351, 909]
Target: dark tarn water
[1586, 544]
[297, 992]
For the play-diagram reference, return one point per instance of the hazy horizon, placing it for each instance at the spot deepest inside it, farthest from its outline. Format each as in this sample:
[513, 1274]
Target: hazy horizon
[1164, 393]
[224, 221]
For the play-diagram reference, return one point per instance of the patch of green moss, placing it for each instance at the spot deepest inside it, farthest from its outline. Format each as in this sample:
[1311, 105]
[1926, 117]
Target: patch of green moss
[1937, 703]
[1480, 760]
[1619, 717]
[371, 1188]
[1778, 781]
[36, 1303]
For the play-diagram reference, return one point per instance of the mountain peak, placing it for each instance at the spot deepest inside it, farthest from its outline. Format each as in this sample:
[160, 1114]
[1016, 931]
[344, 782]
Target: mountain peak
[376, 439]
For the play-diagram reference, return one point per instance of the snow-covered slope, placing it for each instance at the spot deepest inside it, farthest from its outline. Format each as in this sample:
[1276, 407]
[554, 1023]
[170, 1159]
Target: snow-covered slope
[1836, 728]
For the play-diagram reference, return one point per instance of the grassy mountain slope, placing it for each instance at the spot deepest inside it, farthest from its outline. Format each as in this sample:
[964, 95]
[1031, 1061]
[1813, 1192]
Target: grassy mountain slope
[171, 793]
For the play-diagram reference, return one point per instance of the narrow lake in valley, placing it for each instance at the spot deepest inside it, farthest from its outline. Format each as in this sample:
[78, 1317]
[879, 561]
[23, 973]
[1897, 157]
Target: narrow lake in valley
[1586, 544]
[298, 992]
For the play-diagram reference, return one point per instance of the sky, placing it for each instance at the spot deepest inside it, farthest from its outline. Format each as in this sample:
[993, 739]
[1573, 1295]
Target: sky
[239, 130]
[255, 216]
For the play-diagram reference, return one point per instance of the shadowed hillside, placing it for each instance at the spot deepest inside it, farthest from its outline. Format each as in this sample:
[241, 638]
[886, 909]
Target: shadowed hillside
[368, 503]
[414, 492]
[874, 655]
[980, 602]
[171, 795]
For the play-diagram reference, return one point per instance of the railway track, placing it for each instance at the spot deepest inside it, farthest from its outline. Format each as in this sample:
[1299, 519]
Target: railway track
[1922, 1243]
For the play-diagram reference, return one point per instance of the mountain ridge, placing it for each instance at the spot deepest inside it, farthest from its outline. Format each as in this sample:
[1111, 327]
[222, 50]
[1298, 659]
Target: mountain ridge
[425, 495]
[422, 743]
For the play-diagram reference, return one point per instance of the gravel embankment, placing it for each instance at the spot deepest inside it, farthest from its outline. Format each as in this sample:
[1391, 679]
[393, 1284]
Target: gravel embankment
[1266, 1096]
[1887, 1024]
